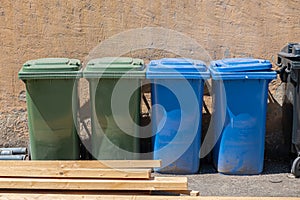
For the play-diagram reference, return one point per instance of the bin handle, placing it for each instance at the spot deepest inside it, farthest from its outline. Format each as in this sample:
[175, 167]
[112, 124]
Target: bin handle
[278, 64]
[283, 72]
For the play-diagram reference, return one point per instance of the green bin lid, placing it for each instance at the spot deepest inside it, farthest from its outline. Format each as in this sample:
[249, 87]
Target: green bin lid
[51, 68]
[115, 67]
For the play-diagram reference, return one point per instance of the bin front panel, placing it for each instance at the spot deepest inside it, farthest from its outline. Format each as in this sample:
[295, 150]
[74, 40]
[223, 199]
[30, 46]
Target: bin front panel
[109, 140]
[178, 149]
[52, 128]
[241, 105]
[296, 114]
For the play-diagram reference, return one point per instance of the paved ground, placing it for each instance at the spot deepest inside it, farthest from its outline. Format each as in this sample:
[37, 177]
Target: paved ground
[275, 181]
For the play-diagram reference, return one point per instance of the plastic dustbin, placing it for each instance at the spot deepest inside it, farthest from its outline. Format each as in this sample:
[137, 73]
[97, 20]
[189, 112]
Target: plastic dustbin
[52, 101]
[240, 93]
[289, 63]
[177, 92]
[115, 106]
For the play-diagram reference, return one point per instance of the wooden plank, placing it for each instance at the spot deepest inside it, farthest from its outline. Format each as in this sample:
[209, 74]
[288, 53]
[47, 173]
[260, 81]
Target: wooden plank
[75, 173]
[24, 196]
[158, 183]
[194, 193]
[93, 164]
[76, 192]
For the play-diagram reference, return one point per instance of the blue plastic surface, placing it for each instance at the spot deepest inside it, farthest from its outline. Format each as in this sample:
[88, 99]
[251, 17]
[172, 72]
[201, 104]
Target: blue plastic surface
[242, 75]
[177, 128]
[241, 65]
[241, 68]
[178, 68]
[239, 120]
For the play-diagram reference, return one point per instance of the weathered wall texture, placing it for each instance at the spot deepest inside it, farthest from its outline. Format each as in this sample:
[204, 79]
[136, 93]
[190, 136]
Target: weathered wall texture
[32, 29]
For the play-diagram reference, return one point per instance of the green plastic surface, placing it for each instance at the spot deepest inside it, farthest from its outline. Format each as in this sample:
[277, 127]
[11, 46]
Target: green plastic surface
[51, 68]
[115, 67]
[108, 140]
[107, 137]
[50, 107]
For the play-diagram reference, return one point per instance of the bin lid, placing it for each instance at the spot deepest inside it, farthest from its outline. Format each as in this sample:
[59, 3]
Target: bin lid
[177, 68]
[241, 65]
[50, 68]
[241, 68]
[114, 67]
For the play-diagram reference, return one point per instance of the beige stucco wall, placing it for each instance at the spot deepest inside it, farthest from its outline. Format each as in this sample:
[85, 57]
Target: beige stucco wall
[31, 29]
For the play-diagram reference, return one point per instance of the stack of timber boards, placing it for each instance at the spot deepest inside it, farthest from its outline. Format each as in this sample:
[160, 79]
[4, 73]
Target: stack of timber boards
[103, 177]
[13, 196]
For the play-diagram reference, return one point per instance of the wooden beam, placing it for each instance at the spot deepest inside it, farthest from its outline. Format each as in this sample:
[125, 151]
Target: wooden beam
[24, 196]
[157, 183]
[75, 192]
[37, 172]
[103, 164]
[194, 193]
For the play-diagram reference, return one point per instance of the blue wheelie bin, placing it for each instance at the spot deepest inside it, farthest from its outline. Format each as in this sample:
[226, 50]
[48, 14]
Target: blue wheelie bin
[177, 91]
[240, 93]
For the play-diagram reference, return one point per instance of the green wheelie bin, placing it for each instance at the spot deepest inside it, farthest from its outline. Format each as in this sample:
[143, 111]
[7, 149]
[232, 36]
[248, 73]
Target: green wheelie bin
[52, 103]
[115, 97]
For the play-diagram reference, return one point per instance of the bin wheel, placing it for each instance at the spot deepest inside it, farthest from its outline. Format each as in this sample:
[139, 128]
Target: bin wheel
[296, 167]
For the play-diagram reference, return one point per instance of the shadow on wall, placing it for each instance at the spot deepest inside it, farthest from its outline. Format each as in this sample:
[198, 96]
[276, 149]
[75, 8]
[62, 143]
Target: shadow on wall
[278, 140]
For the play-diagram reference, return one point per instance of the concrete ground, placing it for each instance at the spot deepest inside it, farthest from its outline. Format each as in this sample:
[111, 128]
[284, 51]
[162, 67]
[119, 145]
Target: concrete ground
[276, 180]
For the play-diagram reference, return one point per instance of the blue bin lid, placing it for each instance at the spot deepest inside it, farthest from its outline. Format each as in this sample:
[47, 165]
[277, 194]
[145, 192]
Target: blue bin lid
[241, 68]
[241, 65]
[177, 68]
